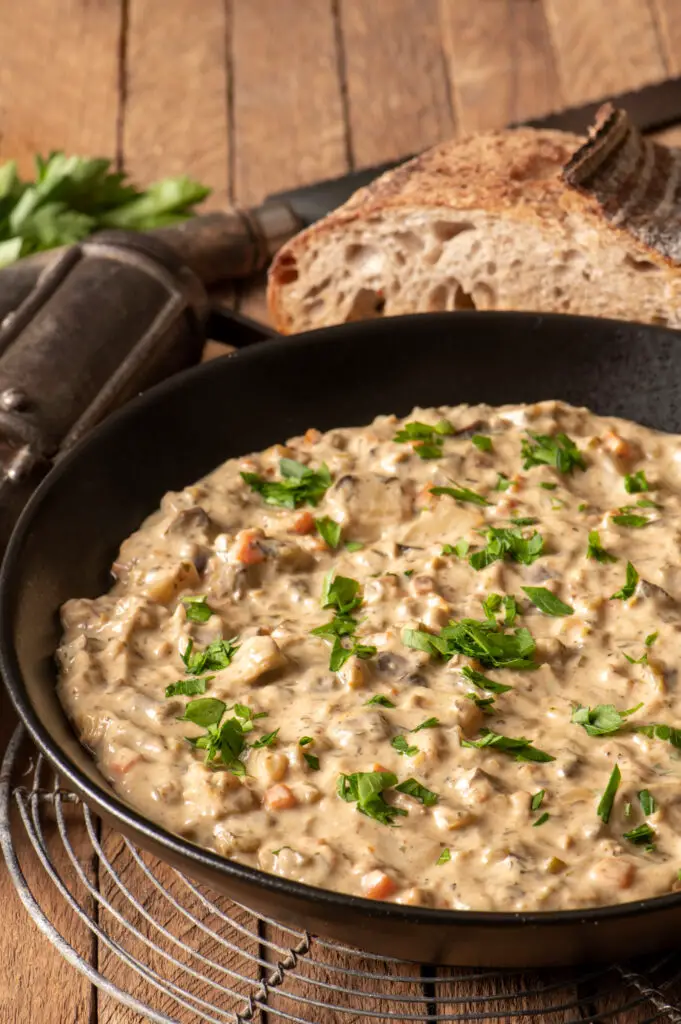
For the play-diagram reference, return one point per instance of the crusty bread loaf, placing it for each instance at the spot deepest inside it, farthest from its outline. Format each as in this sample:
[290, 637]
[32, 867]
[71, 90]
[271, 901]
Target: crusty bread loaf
[485, 223]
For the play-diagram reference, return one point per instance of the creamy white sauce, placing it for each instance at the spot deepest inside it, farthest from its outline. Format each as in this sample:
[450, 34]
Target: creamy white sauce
[121, 650]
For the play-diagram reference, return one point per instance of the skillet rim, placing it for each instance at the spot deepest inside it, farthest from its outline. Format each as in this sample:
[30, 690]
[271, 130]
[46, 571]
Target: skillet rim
[119, 811]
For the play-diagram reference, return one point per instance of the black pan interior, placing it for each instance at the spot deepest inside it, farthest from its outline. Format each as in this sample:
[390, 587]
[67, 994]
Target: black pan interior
[70, 532]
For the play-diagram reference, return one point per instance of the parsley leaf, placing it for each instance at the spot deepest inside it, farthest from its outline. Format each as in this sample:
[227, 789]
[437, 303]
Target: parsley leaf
[329, 530]
[266, 741]
[647, 801]
[427, 440]
[353, 545]
[503, 483]
[313, 761]
[381, 700]
[461, 494]
[606, 802]
[341, 593]
[594, 549]
[400, 744]
[601, 720]
[633, 521]
[196, 609]
[482, 442]
[187, 687]
[521, 748]
[366, 790]
[651, 638]
[627, 591]
[428, 723]
[225, 739]
[444, 857]
[644, 833]
[490, 605]
[215, 657]
[537, 800]
[547, 602]
[460, 548]
[548, 486]
[414, 788]
[657, 731]
[484, 703]
[305, 741]
[559, 451]
[204, 712]
[541, 820]
[507, 542]
[299, 485]
[482, 682]
[636, 483]
[481, 640]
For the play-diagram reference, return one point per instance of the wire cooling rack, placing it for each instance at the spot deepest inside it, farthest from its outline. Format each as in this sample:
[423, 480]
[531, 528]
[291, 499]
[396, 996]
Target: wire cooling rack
[177, 954]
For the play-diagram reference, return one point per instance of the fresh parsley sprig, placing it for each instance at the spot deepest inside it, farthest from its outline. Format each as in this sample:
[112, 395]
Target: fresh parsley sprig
[366, 789]
[596, 551]
[606, 803]
[299, 485]
[547, 602]
[427, 440]
[507, 542]
[603, 719]
[627, 591]
[521, 749]
[197, 609]
[213, 658]
[344, 595]
[482, 640]
[461, 494]
[559, 451]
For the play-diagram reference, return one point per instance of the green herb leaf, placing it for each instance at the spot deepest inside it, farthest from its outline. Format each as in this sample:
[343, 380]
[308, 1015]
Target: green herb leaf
[460, 548]
[641, 834]
[196, 609]
[629, 587]
[461, 494]
[341, 593]
[651, 638]
[366, 790]
[507, 542]
[414, 788]
[481, 640]
[187, 687]
[548, 486]
[524, 520]
[647, 801]
[266, 741]
[400, 744]
[446, 856]
[482, 682]
[606, 802]
[627, 810]
[490, 605]
[381, 700]
[484, 703]
[313, 761]
[299, 485]
[635, 483]
[559, 451]
[603, 719]
[427, 439]
[657, 731]
[547, 602]
[521, 749]
[353, 545]
[537, 800]
[204, 712]
[215, 657]
[482, 442]
[510, 609]
[329, 530]
[647, 503]
[428, 723]
[541, 820]
[305, 741]
[503, 483]
[594, 549]
[633, 521]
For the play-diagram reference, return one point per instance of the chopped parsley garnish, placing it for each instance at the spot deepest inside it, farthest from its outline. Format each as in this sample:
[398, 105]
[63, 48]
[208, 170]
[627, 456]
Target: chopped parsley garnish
[329, 530]
[196, 609]
[537, 800]
[366, 790]
[510, 609]
[414, 788]
[647, 801]
[353, 545]
[381, 700]
[524, 521]
[594, 549]
[298, 486]
[634, 522]
[482, 442]
[521, 749]
[344, 595]
[490, 606]
[627, 810]
[460, 548]
[603, 719]
[446, 856]
[484, 703]
[507, 542]
[493, 603]
[224, 739]
[636, 483]
[559, 451]
[427, 440]
[547, 602]
[647, 503]
[548, 486]
[187, 687]
[401, 745]
[606, 802]
[215, 657]
[205, 712]
[651, 638]
[541, 820]
[644, 833]
[266, 741]
[481, 640]
[482, 682]
[341, 593]
[582, 507]
[503, 483]
[312, 760]
[428, 723]
[627, 591]
[246, 716]
[643, 660]
[657, 731]
[305, 741]
[461, 494]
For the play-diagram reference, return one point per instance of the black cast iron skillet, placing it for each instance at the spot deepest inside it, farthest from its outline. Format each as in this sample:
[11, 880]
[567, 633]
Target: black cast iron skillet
[66, 539]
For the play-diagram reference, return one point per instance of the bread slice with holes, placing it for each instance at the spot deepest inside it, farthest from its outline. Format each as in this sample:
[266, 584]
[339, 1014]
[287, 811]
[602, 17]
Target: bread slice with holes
[484, 223]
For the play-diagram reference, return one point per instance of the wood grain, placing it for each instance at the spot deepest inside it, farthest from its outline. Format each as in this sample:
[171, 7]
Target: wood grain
[176, 104]
[602, 47]
[500, 59]
[397, 86]
[668, 16]
[287, 105]
[529, 992]
[59, 68]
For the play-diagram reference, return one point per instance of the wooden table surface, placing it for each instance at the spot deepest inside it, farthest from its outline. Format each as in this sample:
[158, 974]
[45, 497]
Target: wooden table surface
[251, 96]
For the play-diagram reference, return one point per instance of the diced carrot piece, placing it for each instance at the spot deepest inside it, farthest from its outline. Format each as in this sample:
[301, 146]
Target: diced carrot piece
[125, 760]
[617, 445]
[304, 522]
[280, 798]
[312, 435]
[376, 885]
[378, 768]
[247, 549]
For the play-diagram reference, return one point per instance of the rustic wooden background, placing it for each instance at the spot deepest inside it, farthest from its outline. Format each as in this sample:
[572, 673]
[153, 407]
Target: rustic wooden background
[252, 96]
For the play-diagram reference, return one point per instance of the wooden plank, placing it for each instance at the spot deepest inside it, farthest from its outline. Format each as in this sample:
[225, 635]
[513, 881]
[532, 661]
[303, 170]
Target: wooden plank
[288, 111]
[176, 109]
[501, 63]
[59, 72]
[397, 87]
[603, 48]
[502, 993]
[668, 16]
[182, 929]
